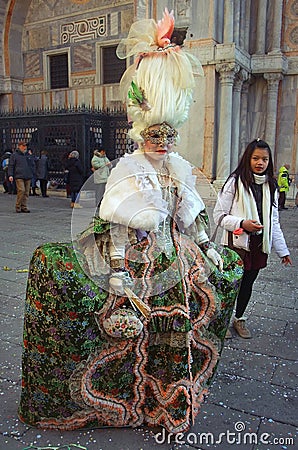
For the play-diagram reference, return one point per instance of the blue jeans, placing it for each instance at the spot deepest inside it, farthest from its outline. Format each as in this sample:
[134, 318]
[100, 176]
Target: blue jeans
[75, 197]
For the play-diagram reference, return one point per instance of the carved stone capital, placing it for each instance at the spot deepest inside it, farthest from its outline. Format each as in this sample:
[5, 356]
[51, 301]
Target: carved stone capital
[246, 84]
[240, 78]
[273, 80]
[227, 72]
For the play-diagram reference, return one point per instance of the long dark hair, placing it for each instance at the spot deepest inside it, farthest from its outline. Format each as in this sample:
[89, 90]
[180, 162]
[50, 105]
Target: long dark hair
[243, 170]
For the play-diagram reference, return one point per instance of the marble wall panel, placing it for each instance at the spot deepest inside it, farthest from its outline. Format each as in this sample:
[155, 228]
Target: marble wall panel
[32, 65]
[127, 18]
[34, 101]
[59, 97]
[98, 96]
[83, 57]
[39, 38]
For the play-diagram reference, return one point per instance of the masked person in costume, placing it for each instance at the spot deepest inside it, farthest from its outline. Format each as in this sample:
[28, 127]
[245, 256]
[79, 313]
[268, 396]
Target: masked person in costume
[139, 312]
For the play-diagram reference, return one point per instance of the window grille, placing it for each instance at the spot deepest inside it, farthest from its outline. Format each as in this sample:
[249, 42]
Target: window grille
[59, 71]
[112, 66]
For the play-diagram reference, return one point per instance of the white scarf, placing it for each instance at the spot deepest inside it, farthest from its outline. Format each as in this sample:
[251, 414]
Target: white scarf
[248, 208]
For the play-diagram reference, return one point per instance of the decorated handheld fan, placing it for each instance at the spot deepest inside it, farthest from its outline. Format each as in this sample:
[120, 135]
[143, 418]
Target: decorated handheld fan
[137, 303]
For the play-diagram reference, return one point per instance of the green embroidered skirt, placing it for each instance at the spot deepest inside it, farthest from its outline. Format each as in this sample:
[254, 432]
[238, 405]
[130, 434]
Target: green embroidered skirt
[73, 375]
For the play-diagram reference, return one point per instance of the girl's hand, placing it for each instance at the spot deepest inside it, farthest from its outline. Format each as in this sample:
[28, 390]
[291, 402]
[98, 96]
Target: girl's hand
[252, 226]
[286, 260]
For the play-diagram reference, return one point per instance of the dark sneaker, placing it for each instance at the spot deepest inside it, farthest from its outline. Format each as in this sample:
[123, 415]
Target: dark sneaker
[25, 210]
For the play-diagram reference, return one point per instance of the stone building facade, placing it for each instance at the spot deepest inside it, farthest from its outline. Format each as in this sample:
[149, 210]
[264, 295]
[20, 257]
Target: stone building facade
[248, 49]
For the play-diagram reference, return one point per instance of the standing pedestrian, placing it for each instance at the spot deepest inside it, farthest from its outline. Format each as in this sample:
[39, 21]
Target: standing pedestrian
[75, 177]
[7, 186]
[19, 170]
[283, 182]
[42, 172]
[64, 161]
[101, 167]
[32, 162]
[247, 209]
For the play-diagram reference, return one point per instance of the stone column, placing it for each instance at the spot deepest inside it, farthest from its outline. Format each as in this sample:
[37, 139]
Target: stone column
[141, 10]
[237, 23]
[277, 26]
[227, 73]
[241, 76]
[244, 25]
[243, 119]
[228, 21]
[261, 27]
[273, 80]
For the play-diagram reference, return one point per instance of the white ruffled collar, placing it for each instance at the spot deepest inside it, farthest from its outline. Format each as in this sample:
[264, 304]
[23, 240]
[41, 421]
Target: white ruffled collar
[147, 191]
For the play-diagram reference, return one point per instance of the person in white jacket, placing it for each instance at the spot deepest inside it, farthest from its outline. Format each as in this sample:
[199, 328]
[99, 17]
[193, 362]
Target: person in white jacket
[101, 167]
[247, 210]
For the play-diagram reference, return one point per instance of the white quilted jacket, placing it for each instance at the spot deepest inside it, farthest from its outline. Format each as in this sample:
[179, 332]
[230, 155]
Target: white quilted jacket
[226, 211]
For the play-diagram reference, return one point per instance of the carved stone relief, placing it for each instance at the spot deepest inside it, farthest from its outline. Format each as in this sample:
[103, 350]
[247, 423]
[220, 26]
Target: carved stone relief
[80, 30]
[83, 81]
[30, 88]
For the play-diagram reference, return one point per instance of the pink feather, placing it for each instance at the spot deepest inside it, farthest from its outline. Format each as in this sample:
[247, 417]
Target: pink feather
[165, 28]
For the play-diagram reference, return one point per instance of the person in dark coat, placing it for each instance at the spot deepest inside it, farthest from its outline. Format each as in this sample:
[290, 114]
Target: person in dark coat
[42, 172]
[8, 188]
[19, 170]
[75, 177]
[32, 163]
[64, 161]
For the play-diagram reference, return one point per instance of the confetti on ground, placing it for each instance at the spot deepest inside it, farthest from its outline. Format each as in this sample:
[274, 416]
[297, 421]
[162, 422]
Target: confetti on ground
[7, 269]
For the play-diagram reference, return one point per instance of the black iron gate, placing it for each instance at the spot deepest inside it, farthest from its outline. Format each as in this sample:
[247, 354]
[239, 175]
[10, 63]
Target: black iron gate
[60, 131]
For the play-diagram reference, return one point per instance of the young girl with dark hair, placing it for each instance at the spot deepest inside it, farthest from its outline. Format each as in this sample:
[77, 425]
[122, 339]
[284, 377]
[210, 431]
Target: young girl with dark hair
[247, 209]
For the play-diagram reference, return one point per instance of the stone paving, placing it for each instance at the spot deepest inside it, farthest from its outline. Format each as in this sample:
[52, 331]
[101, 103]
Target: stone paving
[252, 403]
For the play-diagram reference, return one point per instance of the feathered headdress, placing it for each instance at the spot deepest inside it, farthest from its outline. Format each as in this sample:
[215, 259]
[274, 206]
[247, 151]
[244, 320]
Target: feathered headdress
[158, 86]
